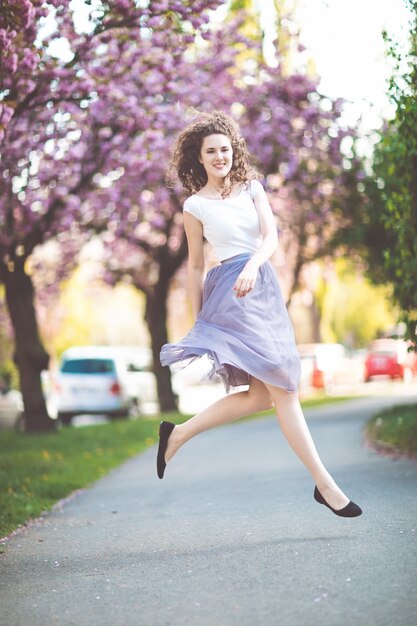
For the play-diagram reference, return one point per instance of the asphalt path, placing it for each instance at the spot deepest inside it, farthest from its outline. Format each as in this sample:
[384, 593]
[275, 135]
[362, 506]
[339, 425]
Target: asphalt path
[231, 536]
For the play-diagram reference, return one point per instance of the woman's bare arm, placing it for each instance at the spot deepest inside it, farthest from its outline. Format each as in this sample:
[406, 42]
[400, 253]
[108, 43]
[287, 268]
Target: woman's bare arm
[268, 228]
[194, 232]
[247, 278]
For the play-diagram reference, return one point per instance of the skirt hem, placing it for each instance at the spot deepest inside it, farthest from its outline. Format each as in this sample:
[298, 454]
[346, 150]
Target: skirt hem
[243, 337]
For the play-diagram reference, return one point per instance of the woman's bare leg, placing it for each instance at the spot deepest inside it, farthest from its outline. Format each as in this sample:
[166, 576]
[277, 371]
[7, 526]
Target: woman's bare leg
[227, 409]
[295, 429]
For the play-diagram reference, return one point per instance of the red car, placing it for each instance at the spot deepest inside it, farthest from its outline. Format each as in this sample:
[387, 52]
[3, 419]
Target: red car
[390, 357]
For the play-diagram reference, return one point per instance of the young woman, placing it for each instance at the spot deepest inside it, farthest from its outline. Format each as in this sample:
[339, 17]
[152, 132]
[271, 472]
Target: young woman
[241, 321]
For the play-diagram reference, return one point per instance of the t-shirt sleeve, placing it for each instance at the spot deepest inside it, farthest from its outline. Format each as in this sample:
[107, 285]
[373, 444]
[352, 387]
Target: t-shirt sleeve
[191, 206]
[256, 187]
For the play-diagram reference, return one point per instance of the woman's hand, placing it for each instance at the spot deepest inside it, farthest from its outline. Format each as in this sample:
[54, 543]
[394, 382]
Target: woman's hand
[246, 280]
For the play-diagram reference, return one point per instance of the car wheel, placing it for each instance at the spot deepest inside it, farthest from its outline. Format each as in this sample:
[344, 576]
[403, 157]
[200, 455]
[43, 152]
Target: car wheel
[65, 418]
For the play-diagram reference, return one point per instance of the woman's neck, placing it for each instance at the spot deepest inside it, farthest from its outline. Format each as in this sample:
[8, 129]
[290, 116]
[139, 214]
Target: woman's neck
[216, 184]
[211, 194]
[220, 187]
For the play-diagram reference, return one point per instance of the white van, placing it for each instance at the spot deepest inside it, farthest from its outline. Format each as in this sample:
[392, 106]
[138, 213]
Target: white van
[104, 380]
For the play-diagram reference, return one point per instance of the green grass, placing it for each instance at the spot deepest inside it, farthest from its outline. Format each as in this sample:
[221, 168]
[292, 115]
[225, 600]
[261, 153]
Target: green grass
[395, 430]
[319, 400]
[38, 470]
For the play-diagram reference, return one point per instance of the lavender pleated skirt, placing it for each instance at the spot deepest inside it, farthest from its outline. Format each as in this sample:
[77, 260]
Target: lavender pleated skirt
[243, 337]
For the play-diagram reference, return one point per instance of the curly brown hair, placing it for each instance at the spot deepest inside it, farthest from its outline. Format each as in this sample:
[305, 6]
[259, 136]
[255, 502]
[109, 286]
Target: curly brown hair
[187, 149]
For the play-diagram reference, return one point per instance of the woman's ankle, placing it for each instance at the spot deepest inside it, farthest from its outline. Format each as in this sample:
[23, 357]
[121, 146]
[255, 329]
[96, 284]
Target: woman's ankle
[326, 483]
[174, 443]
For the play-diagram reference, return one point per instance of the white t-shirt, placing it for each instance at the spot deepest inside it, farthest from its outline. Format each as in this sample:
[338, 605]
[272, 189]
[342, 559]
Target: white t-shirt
[230, 225]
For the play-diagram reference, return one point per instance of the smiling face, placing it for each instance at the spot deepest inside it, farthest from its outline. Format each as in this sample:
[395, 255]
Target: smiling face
[216, 156]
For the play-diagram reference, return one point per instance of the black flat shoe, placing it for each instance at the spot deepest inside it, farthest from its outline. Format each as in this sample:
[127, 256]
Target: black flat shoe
[350, 510]
[165, 429]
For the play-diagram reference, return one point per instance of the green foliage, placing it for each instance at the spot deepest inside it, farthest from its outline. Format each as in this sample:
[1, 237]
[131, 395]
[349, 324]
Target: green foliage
[249, 27]
[90, 312]
[9, 374]
[240, 5]
[395, 429]
[396, 175]
[344, 301]
[382, 226]
[38, 470]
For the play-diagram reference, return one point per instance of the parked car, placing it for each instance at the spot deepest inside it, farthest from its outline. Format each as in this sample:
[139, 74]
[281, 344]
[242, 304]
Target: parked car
[11, 407]
[103, 380]
[141, 381]
[390, 357]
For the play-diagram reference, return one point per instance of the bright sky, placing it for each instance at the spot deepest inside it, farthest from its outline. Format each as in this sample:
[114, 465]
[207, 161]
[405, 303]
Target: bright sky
[345, 42]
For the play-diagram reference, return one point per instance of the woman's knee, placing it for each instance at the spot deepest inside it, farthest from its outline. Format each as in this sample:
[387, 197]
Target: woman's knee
[260, 400]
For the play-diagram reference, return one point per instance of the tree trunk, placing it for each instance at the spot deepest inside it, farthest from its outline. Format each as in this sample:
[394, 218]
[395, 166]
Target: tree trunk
[156, 319]
[315, 316]
[30, 356]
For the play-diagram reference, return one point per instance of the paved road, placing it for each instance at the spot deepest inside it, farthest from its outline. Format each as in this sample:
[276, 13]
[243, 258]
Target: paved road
[231, 537]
